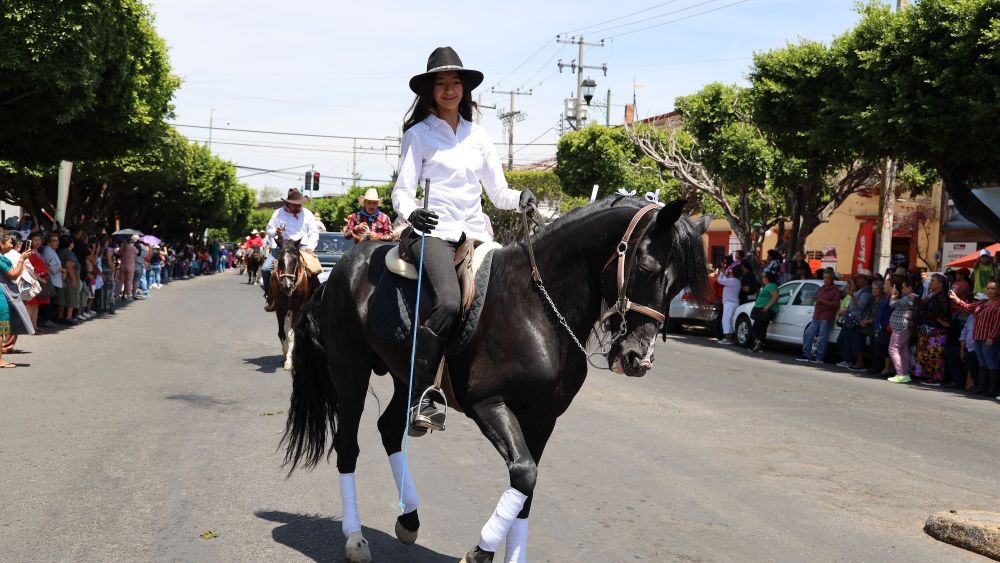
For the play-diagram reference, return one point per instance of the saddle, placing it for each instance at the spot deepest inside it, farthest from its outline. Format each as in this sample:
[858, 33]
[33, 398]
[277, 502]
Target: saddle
[391, 307]
[469, 256]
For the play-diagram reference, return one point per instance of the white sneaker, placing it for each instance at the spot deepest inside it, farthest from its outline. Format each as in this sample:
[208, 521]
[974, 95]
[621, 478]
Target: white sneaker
[725, 342]
[843, 364]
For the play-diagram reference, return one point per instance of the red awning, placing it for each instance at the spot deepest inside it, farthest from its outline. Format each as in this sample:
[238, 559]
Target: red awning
[969, 260]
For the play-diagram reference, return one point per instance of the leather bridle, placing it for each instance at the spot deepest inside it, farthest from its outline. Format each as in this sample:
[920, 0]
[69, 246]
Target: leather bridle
[623, 305]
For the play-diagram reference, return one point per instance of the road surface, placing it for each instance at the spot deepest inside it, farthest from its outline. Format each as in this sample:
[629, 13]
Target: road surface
[128, 438]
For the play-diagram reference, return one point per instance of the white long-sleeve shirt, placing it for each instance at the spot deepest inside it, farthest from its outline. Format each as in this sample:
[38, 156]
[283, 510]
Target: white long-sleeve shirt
[301, 224]
[455, 162]
[730, 288]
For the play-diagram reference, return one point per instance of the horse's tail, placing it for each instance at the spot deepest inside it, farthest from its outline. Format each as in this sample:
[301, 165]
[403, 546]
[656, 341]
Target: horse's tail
[314, 399]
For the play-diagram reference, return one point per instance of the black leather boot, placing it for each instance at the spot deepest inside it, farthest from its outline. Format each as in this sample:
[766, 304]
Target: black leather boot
[426, 416]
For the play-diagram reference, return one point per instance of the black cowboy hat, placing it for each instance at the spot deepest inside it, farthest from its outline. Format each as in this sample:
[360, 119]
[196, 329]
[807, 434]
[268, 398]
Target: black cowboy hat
[295, 196]
[444, 59]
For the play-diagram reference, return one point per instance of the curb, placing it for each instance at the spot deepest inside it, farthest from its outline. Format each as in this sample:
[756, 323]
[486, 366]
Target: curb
[974, 530]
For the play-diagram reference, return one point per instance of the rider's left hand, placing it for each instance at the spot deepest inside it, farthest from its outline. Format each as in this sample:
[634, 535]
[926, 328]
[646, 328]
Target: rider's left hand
[528, 203]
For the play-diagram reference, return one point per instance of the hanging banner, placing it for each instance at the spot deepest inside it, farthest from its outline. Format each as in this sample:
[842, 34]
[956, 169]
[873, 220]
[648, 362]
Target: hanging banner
[863, 247]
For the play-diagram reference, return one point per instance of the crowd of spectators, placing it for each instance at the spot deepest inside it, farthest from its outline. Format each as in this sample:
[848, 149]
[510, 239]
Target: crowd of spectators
[939, 329]
[72, 276]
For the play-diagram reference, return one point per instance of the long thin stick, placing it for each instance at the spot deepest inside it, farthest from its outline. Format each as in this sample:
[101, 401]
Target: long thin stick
[413, 350]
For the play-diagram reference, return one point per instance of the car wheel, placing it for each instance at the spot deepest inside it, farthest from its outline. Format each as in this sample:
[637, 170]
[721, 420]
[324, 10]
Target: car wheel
[744, 332]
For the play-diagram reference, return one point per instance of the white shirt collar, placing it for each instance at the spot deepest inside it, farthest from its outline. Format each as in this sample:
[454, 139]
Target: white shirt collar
[435, 121]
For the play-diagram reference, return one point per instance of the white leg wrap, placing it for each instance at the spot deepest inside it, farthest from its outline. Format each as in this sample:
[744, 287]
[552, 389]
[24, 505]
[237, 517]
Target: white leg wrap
[517, 542]
[349, 498]
[404, 483]
[495, 529]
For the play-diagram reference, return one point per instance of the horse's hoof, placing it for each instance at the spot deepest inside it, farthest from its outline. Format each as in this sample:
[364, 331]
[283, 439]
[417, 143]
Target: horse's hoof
[357, 549]
[477, 555]
[403, 532]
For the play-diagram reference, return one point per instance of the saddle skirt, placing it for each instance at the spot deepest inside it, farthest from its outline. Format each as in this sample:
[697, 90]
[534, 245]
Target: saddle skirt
[391, 306]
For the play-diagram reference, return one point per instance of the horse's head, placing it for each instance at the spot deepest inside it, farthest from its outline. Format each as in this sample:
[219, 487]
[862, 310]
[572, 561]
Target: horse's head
[289, 263]
[663, 255]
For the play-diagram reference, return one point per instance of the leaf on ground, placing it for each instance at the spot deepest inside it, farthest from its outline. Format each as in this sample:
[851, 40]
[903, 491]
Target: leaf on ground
[272, 413]
[209, 535]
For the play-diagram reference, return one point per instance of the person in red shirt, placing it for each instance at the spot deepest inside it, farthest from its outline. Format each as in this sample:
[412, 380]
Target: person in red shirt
[986, 333]
[255, 241]
[369, 222]
[827, 301]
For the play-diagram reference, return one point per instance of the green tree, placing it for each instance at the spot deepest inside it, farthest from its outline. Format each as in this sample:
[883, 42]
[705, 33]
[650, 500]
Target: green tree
[923, 85]
[545, 184]
[607, 157]
[792, 89]
[721, 156]
[80, 80]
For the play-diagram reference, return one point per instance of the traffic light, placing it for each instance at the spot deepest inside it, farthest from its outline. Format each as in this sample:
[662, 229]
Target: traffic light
[316, 181]
[308, 184]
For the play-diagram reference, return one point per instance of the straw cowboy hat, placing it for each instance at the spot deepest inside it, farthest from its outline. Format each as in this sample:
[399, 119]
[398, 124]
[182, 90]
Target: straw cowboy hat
[444, 59]
[254, 232]
[864, 272]
[370, 195]
[295, 197]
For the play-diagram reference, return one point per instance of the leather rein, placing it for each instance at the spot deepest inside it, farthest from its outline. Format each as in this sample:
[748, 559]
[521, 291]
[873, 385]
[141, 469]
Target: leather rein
[622, 305]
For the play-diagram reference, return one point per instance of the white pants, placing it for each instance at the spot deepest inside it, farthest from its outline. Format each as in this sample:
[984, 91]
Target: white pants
[728, 308]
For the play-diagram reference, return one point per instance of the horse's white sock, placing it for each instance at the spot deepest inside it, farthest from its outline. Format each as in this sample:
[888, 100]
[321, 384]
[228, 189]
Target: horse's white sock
[402, 476]
[349, 498]
[517, 542]
[495, 529]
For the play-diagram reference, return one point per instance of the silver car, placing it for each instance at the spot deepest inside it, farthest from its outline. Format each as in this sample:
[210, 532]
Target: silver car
[794, 313]
[686, 310]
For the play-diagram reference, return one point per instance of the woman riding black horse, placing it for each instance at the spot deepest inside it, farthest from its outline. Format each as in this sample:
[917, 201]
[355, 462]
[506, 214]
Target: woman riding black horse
[441, 144]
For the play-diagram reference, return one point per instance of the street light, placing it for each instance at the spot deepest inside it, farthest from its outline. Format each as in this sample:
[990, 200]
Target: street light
[588, 89]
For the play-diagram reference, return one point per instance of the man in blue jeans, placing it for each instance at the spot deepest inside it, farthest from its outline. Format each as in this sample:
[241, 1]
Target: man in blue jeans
[827, 301]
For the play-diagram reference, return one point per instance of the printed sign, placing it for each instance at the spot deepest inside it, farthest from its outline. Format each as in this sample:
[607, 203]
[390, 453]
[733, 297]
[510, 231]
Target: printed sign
[955, 250]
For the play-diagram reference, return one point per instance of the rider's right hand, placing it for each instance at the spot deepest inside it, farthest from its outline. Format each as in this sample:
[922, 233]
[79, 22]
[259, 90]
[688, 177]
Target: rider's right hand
[423, 220]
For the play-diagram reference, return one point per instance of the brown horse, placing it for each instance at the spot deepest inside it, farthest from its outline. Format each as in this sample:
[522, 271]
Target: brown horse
[291, 287]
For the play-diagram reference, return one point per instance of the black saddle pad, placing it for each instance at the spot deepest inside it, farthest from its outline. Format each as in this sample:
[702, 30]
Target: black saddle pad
[392, 304]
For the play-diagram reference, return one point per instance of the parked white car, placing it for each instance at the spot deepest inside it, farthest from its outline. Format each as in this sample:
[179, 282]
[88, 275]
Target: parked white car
[795, 313]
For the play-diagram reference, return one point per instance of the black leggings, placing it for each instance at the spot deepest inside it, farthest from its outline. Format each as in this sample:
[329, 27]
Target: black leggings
[440, 276]
[761, 319]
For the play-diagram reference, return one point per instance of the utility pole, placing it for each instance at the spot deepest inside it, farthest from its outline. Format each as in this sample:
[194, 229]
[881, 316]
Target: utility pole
[607, 115]
[887, 202]
[354, 164]
[211, 117]
[509, 117]
[577, 66]
[479, 108]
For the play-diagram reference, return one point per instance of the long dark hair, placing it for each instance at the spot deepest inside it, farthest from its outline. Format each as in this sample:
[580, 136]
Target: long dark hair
[423, 104]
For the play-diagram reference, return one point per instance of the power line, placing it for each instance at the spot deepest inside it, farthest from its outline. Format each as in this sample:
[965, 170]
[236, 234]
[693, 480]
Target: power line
[287, 133]
[545, 64]
[656, 17]
[579, 29]
[678, 19]
[524, 62]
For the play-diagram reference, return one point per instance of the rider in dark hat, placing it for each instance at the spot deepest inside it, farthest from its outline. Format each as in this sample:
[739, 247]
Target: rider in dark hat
[442, 144]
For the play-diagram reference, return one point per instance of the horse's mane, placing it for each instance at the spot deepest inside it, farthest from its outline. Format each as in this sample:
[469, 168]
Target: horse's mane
[687, 250]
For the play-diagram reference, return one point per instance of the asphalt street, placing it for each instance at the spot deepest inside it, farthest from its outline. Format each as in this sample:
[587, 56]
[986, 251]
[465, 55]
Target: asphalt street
[126, 439]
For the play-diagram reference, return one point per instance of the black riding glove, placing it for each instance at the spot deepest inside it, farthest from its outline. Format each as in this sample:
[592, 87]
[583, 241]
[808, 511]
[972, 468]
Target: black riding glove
[528, 203]
[423, 220]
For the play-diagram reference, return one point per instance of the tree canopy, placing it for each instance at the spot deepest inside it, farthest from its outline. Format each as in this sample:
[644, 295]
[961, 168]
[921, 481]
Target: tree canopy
[80, 80]
[605, 156]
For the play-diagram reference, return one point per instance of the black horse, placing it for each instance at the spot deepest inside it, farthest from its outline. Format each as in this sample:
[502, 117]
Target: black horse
[522, 367]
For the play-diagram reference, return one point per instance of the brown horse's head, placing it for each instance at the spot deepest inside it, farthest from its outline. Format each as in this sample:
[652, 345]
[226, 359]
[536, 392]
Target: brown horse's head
[289, 268]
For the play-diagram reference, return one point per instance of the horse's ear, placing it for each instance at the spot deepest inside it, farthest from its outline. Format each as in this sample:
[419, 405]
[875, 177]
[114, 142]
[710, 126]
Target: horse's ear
[669, 215]
[701, 224]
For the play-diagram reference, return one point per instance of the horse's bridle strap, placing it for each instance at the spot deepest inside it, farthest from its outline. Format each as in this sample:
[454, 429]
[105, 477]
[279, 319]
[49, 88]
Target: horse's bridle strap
[623, 305]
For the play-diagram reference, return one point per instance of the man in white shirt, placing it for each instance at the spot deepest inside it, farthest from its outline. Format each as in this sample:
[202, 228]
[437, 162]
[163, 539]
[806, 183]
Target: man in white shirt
[294, 222]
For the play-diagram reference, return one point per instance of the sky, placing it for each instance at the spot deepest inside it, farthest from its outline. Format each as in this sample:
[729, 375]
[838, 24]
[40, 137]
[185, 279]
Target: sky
[340, 69]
